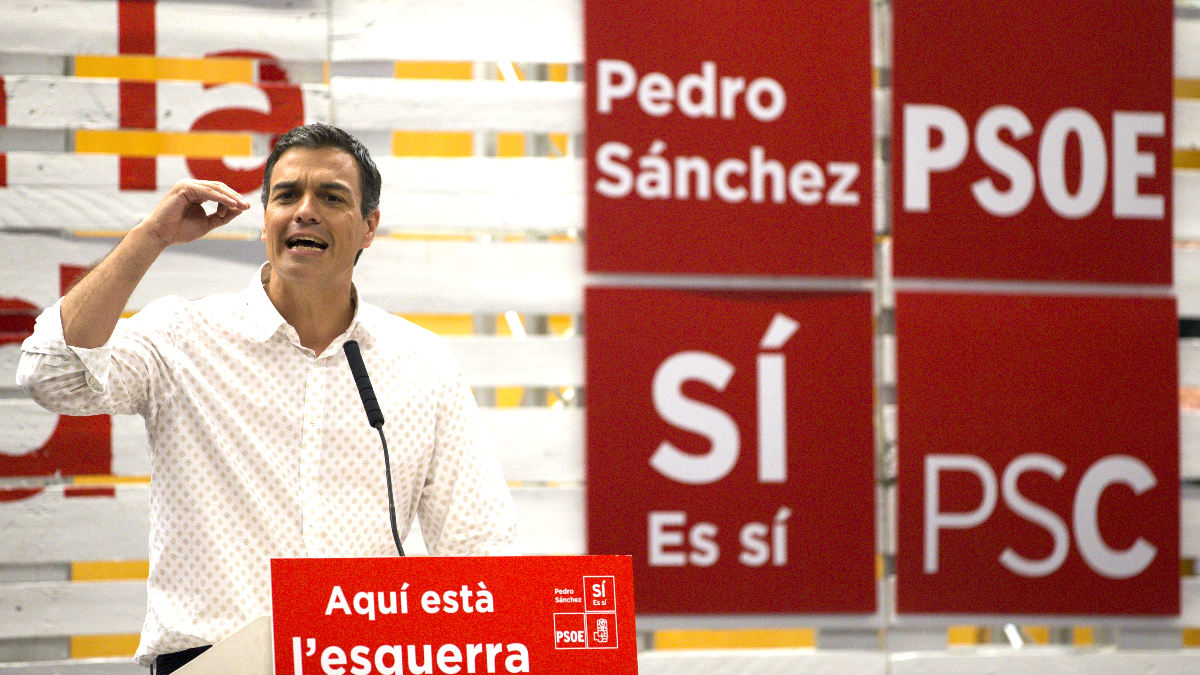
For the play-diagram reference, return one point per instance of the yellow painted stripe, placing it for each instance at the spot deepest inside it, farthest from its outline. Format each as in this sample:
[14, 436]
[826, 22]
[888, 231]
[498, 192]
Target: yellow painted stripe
[749, 638]
[1039, 634]
[1186, 159]
[108, 570]
[509, 397]
[1187, 567]
[433, 143]
[444, 324]
[557, 72]
[435, 70]
[510, 144]
[136, 143]
[559, 143]
[1191, 637]
[968, 635]
[138, 67]
[427, 236]
[1083, 636]
[88, 479]
[559, 324]
[1187, 88]
[103, 646]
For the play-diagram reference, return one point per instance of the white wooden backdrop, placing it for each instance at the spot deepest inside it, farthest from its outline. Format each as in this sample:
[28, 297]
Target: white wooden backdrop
[474, 236]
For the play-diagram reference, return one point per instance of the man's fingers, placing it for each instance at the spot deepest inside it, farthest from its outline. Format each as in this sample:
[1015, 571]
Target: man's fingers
[215, 191]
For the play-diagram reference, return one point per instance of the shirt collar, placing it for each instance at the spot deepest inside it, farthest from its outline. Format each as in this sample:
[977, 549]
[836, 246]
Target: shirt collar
[264, 320]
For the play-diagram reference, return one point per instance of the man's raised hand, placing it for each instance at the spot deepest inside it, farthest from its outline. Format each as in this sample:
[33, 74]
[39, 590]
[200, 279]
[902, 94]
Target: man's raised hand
[180, 217]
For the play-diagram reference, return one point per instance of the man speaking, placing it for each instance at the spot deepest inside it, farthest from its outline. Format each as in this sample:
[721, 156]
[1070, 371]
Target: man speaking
[259, 445]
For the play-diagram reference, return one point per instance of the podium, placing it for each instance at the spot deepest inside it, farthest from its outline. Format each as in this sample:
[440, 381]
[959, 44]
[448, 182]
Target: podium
[543, 615]
[246, 652]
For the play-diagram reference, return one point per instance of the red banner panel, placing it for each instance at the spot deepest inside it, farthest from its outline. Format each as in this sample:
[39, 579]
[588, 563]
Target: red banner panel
[1038, 454]
[727, 138]
[729, 447]
[1032, 140]
[544, 615]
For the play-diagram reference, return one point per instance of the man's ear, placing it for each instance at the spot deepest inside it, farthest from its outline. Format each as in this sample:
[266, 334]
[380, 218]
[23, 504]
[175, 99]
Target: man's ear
[372, 226]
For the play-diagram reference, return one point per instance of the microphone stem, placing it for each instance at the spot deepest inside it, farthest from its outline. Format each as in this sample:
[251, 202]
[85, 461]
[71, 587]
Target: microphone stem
[387, 471]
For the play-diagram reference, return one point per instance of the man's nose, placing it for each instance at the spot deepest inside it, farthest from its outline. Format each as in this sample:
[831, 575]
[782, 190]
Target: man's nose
[306, 208]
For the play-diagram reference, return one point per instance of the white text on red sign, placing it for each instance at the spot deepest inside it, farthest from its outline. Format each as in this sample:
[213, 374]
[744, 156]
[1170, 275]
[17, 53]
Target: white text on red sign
[1021, 180]
[756, 178]
[1104, 473]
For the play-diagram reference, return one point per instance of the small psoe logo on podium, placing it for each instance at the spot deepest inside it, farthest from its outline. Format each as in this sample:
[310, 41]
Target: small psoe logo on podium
[600, 594]
[601, 631]
[596, 626]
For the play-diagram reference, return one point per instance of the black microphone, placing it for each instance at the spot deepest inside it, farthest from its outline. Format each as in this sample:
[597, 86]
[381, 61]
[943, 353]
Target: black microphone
[375, 418]
[363, 381]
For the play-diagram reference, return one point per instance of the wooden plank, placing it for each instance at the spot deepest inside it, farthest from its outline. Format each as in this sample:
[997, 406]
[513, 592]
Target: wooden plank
[547, 31]
[291, 30]
[65, 102]
[1189, 523]
[24, 207]
[489, 182]
[1186, 129]
[1187, 45]
[1186, 215]
[287, 30]
[1187, 280]
[370, 103]
[51, 102]
[538, 444]
[792, 661]
[110, 666]
[534, 444]
[61, 27]
[66, 608]
[1045, 661]
[1189, 362]
[1189, 444]
[400, 275]
[51, 527]
[532, 362]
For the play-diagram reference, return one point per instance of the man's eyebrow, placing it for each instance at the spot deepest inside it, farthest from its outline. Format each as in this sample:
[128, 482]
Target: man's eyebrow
[327, 185]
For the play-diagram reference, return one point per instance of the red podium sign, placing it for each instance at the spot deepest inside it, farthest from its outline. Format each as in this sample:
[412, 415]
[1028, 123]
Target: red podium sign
[554, 615]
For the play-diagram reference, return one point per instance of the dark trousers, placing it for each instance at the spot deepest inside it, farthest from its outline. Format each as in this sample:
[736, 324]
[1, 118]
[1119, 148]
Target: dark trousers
[164, 664]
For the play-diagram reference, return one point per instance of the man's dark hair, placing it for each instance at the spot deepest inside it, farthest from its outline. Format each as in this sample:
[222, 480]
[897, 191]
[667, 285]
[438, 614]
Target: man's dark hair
[319, 135]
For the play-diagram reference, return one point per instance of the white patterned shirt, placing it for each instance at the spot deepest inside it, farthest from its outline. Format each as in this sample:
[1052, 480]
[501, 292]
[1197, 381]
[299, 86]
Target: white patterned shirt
[261, 449]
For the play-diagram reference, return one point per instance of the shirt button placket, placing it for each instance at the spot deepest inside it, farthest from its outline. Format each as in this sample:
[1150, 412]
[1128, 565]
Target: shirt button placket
[315, 395]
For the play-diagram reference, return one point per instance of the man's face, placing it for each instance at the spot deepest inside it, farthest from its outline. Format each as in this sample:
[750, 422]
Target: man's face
[313, 224]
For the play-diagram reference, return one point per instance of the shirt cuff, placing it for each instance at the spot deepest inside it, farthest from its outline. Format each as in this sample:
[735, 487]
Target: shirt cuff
[48, 339]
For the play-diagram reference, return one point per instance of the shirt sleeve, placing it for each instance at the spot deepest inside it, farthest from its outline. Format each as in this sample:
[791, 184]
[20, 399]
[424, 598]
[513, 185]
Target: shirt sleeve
[465, 506]
[114, 379]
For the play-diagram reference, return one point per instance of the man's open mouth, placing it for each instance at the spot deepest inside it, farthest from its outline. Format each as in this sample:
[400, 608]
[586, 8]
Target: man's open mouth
[306, 242]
